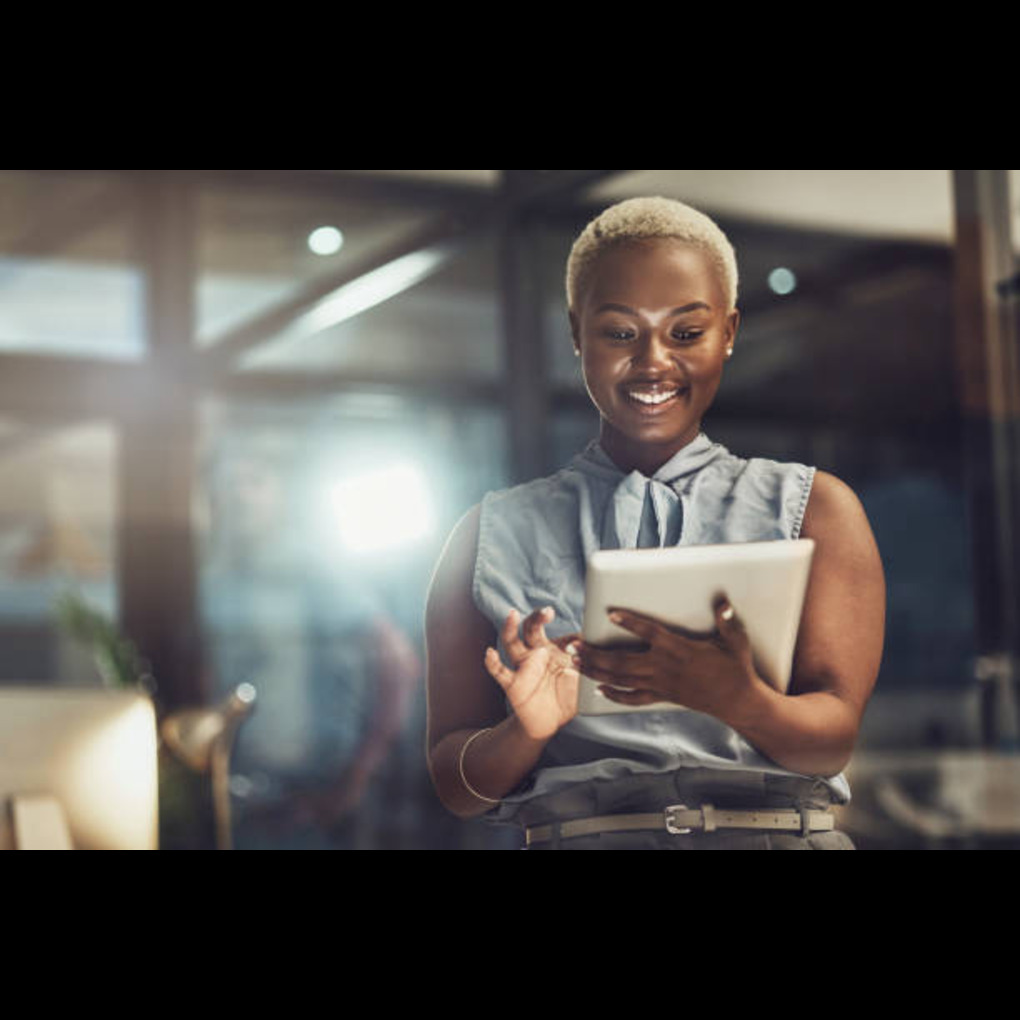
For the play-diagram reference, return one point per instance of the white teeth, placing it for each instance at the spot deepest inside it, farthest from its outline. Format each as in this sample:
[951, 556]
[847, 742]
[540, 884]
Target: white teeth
[652, 398]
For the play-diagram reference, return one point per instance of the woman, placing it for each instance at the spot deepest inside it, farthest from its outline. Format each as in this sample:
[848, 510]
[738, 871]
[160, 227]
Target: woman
[651, 287]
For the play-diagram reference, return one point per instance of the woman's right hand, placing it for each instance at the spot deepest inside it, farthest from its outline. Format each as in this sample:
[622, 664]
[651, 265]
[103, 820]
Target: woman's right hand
[542, 685]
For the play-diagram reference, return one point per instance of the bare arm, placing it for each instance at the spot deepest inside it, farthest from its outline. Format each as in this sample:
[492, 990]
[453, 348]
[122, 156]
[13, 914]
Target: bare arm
[812, 728]
[839, 647]
[467, 684]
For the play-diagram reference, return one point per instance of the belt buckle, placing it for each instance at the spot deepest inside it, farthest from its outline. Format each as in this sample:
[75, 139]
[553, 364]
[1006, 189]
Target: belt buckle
[671, 827]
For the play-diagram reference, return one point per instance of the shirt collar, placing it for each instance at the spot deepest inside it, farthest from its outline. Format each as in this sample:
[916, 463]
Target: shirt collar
[692, 457]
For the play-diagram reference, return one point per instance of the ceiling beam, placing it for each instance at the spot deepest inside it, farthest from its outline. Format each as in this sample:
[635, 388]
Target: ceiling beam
[65, 220]
[443, 235]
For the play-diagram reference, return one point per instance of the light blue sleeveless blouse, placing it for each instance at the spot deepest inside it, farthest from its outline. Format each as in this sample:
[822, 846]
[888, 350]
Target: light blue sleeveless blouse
[533, 546]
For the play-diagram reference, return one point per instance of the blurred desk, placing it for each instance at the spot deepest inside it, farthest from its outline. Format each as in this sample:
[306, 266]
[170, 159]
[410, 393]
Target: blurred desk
[934, 798]
[80, 757]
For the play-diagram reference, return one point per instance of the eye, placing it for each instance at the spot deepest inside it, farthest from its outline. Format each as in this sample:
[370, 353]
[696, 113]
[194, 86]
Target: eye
[619, 334]
[686, 336]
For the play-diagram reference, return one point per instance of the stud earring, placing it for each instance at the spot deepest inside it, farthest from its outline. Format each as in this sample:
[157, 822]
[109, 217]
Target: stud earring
[729, 352]
[577, 353]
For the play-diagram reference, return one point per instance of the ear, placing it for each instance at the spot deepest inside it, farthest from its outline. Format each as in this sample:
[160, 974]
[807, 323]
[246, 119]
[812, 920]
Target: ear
[732, 325]
[575, 330]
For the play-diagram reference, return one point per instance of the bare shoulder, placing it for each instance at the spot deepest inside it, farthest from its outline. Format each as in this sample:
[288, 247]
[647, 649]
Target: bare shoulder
[454, 570]
[832, 504]
[835, 518]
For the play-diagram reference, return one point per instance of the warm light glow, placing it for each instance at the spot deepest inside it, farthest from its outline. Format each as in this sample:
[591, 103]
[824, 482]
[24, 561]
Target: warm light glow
[325, 240]
[111, 791]
[782, 280]
[383, 509]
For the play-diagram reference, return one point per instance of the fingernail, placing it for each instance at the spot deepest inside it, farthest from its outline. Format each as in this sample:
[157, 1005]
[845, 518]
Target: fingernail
[615, 617]
[547, 610]
[572, 648]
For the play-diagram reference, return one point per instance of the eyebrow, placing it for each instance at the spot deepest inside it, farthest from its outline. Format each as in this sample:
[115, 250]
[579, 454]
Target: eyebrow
[612, 306]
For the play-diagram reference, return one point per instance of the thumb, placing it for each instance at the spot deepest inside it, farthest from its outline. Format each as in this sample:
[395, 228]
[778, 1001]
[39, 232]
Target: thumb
[730, 626]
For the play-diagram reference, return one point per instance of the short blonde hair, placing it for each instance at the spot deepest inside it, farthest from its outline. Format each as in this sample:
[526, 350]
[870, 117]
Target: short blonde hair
[638, 219]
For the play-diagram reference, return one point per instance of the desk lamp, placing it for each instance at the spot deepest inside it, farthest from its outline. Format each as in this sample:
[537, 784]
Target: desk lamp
[203, 739]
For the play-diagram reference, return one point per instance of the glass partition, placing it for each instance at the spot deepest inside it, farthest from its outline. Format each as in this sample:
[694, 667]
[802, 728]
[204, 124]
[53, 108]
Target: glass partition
[57, 540]
[70, 282]
[320, 525]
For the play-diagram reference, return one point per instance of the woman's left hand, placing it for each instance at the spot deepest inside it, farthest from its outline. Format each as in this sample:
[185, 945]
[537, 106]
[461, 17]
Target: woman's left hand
[710, 673]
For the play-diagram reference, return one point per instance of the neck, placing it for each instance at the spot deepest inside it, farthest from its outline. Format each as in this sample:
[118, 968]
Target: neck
[647, 458]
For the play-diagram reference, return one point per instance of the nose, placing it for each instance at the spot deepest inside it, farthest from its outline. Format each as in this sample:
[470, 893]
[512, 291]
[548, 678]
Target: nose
[653, 354]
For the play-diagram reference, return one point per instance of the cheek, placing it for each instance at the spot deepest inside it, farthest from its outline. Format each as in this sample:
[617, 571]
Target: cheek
[708, 364]
[598, 369]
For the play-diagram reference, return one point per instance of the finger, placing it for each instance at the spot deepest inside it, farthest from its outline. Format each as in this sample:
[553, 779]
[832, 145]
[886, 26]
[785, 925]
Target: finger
[497, 670]
[529, 671]
[618, 661]
[657, 633]
[730, 626]
[511, 635]
[623, 697]
[651, 630]
[569, 643]
[618, 678]
[534, 627]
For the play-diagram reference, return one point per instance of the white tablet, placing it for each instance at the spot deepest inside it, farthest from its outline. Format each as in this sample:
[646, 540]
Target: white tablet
[764, 581]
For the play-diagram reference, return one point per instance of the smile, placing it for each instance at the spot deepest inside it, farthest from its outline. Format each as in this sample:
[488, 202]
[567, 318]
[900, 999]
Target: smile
[652, 396]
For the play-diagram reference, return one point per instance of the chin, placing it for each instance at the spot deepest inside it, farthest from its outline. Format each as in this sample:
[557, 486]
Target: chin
[658, 441]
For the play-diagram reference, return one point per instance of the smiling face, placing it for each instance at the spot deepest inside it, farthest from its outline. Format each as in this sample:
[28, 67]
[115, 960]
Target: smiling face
[654, 331]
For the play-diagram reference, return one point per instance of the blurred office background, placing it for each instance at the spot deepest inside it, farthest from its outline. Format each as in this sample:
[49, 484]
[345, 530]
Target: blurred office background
[240, 411]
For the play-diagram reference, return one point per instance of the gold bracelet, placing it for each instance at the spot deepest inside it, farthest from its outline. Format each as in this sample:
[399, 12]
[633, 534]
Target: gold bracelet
[460, 767]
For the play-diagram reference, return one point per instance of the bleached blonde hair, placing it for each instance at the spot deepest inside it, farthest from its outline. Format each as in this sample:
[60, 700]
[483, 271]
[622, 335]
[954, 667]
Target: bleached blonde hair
[638, 219]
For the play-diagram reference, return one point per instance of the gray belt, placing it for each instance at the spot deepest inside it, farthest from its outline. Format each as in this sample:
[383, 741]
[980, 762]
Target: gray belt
[679, 820]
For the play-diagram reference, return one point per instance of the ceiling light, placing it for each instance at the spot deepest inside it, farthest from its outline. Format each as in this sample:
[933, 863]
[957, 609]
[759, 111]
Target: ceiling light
[325, 240]
[782, 280]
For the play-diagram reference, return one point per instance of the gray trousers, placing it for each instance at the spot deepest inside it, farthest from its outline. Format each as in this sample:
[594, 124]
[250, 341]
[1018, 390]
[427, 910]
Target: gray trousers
[692, 787]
